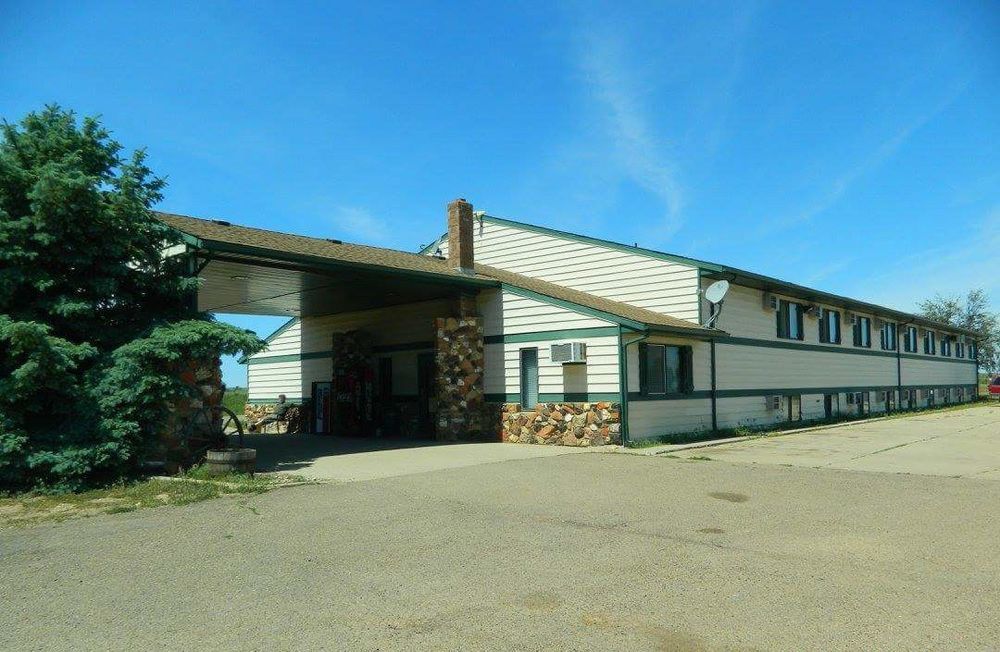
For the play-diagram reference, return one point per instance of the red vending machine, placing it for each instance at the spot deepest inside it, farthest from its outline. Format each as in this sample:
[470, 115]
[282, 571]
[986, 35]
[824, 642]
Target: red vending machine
[353, 412]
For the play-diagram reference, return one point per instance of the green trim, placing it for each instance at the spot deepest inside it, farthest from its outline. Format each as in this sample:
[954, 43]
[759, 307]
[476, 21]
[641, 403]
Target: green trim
[405, 346]
[698, 394]
[281, 329]
[833, 348]
[545, 336]
[575, 307]
[570, 397]
[316, 355]
[780, 391]
[291, 357]
[319, 262]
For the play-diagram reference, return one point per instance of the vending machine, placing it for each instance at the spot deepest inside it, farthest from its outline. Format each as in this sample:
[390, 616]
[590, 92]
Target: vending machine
[322, 394]
[353, 411]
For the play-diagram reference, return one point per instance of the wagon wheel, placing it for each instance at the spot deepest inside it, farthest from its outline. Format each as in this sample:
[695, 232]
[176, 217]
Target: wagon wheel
[231, 427]
[208, 428]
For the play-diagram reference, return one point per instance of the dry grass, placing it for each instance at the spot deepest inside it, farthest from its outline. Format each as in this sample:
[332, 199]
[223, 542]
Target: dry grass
[195, 486]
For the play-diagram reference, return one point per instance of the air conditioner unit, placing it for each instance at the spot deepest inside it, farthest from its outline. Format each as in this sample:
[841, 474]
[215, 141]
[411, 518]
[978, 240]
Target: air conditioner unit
[772, 402]
[770, 301]
[571, 353]
[852, 318]
[878, 324]
[813, 311]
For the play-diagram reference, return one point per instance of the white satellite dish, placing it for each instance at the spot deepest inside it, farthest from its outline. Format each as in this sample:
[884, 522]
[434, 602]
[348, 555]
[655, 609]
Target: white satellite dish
[716, 292]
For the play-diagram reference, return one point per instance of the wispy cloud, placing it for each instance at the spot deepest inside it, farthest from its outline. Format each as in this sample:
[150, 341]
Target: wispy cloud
[642, 155]
[868, 164]
[361, 224]
[954, 268]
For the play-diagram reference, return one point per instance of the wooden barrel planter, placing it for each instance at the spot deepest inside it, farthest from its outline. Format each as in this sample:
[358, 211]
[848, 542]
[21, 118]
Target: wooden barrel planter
[222, 461]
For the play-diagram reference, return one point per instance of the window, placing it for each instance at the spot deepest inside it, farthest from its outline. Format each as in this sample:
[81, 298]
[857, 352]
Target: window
[529, 378]
[789, 320]
[929, 346]
[664, 369]
[910, 339]
[863, 332]
[385, 377]
[946, 345]
[829, 326]
[889, 336]
[972, 350]
[959, 349]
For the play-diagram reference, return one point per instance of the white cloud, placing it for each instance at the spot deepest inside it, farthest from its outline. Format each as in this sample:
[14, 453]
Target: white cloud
[873, 161]
[361, 224]
[641, 155]
[966, 262]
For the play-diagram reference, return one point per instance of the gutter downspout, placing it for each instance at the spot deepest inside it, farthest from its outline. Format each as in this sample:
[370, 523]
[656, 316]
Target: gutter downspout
[623, 379]
[899, 373]
[715, 418]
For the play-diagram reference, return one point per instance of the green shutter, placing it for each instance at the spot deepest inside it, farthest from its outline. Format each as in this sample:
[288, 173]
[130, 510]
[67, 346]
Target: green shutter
[799, 323]
[687, 370]
[643, 383]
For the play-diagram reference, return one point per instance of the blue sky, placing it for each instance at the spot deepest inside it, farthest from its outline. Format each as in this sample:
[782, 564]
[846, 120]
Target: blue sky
[851, 146]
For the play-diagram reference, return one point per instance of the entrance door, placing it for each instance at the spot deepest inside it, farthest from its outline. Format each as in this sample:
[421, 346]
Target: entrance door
[795, 408]
[828, 406]
[425, 393]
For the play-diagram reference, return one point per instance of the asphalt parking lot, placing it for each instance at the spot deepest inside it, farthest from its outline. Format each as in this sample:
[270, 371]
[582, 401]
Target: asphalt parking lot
[570, 552]
[953, 443]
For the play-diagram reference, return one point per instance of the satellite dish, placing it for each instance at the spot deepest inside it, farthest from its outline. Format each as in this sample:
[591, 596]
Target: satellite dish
[716, 292]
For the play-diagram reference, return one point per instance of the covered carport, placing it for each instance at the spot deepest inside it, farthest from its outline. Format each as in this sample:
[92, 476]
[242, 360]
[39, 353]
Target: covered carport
[260, 272]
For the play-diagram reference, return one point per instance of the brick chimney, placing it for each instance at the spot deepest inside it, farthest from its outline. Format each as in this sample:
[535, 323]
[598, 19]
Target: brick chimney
[460, 236]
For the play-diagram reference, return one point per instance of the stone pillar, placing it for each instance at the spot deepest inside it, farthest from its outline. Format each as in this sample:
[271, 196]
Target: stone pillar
[187, 422]
[459, 358]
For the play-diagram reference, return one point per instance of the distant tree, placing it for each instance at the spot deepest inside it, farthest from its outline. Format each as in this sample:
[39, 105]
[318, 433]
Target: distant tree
[85, 300]
[973, 313]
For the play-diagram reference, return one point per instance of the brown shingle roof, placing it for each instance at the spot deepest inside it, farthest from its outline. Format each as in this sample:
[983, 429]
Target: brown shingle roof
[218, 235]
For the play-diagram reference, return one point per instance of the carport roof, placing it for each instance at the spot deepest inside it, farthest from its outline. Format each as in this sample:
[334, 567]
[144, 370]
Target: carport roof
[261, 247]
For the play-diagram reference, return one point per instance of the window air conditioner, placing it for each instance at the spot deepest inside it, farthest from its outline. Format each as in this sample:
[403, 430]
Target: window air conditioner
[772, 402]
[813, 311]
[879, 323]
[570, 353]
[770, 301]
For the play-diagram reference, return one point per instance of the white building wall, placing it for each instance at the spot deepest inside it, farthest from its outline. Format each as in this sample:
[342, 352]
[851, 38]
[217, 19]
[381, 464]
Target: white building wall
[659, 285]
[309, 342]
[534, 324]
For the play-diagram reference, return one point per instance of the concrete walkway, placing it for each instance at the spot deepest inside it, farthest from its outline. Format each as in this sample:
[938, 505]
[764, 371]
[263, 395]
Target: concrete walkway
[959, 443]
[353, 459]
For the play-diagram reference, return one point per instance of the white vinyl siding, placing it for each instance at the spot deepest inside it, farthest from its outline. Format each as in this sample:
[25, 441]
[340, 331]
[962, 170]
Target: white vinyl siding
[659, 285]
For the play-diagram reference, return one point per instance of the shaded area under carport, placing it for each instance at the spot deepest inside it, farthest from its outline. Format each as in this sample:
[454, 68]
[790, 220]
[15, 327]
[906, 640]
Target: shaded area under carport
[349, 459]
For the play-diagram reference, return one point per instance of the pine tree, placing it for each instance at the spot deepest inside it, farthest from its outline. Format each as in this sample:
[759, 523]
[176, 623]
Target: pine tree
[81, 276]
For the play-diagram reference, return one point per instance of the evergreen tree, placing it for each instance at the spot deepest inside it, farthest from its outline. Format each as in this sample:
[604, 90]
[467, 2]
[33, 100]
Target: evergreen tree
[82, 276]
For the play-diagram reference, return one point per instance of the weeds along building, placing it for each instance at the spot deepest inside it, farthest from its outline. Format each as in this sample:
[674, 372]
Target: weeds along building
[505, 329]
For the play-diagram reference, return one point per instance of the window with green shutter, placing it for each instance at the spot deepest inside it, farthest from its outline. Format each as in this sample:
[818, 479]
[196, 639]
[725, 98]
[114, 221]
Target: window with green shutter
[665, 369]
[789, 318]
[829, 326]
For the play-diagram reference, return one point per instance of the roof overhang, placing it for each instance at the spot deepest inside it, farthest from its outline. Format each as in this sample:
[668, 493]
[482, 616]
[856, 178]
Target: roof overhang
[257, 281]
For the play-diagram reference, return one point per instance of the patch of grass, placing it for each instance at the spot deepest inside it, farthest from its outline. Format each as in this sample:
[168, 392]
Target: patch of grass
[192, 487]
[235, 399]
